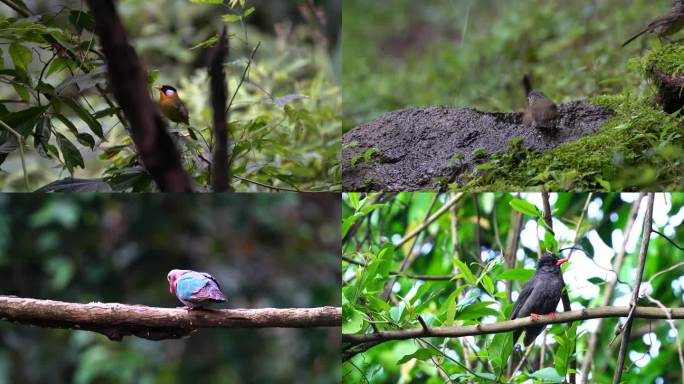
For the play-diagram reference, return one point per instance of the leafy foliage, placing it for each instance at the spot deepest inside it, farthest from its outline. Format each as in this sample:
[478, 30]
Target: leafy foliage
[284, 110]
[466, 244]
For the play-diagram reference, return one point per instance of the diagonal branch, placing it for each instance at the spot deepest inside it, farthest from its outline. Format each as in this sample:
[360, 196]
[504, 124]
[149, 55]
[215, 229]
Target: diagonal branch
[118, 320]
[128, 79]
[645, 239]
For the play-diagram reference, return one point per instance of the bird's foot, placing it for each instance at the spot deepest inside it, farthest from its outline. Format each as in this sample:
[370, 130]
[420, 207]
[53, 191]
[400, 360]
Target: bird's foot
[535, 316]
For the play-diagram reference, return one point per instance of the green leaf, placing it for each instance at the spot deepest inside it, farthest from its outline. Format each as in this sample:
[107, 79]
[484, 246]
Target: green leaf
[354, 200]
[525, 207]
[228, 18]
[207, 1]
[451, 306]
[72, 157]
[465, 270]
[500, 349]
[520, 274]
[476, 311]
[420, 354]
[488, 284]
[94, 125]
[470, 297]
[548, 375]
[248, 12]
[86, 139]
[22, 91]
[2, 59]
[21, 56]
[57, 65]
[550, 242]
[206, 43]
[68, 123]
[23, 121]
[352, 320]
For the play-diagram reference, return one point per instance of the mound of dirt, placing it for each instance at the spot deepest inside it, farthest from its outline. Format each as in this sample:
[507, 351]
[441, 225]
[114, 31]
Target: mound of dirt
[416, 148]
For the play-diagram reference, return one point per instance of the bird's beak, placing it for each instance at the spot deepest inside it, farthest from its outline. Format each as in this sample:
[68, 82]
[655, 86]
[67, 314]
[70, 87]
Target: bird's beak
[561, 261]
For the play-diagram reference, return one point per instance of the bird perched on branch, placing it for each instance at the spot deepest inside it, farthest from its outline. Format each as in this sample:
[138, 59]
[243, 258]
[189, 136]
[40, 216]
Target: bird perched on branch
[173, 107]
[194, 289]
[539, 296]
[541, 111]
[664, 25]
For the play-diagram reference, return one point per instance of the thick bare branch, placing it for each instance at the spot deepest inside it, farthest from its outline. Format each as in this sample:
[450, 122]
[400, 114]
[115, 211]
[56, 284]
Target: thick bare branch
[645, 239]
[128, 80]
[220, 170]
[118, 320]
[510, 325]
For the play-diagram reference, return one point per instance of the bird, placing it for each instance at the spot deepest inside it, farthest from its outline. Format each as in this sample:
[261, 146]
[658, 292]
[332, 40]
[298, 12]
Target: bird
[539, 296]
[664, 25]
[541, 111]
[173, 107]
[194, 289]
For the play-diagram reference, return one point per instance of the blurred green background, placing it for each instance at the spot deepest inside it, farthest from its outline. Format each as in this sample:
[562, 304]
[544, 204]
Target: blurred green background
[265, 250]
[402, 53]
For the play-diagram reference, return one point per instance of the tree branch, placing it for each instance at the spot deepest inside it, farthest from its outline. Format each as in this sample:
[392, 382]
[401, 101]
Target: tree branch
[510, 325]
[645, 239]
[128, 80]
[220, 170]
[118, 320]
[430, 219]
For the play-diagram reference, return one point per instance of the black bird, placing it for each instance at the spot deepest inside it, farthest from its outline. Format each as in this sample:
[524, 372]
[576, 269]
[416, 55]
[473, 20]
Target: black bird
[539, 296]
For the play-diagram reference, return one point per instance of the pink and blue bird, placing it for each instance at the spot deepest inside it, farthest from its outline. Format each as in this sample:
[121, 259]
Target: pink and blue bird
[194, 289]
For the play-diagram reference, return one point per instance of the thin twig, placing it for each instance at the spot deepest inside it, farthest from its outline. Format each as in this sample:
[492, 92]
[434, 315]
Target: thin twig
[430, 220]
[20, 139]
[645, 239]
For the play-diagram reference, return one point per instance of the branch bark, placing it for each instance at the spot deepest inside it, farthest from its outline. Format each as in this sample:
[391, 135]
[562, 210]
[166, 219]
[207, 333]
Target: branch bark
[119, 320]
[128, 80]
[220, 170]
[645, 239]
[510, 325]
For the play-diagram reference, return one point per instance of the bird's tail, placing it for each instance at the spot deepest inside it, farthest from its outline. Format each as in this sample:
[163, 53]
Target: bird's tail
[192, 133]
[635, 36]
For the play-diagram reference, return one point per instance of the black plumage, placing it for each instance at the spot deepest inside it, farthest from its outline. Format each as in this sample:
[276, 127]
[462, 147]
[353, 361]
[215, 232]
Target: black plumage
[539, 296]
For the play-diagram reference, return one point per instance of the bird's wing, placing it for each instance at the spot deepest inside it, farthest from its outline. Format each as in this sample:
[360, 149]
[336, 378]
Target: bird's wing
[189, 284]
[183, 111]
[522, 297]
[210, 277]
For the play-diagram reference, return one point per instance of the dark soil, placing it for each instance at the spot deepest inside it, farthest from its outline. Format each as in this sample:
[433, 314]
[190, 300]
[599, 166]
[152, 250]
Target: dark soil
[418, 148]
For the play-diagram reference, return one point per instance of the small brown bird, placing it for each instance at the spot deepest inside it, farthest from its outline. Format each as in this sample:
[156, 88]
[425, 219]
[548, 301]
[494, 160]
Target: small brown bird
[173, 107]
[664, 25]
[541, 111]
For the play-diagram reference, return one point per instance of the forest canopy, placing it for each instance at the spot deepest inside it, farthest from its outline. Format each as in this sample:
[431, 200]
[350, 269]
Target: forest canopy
[415, 261]
[60, 121]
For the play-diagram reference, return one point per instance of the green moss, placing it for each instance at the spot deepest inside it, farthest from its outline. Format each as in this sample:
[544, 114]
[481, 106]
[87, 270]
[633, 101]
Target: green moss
[640, 147]
[668, 58]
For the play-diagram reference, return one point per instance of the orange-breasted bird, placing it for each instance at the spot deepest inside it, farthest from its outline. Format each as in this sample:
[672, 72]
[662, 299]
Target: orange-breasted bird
[173, 107]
